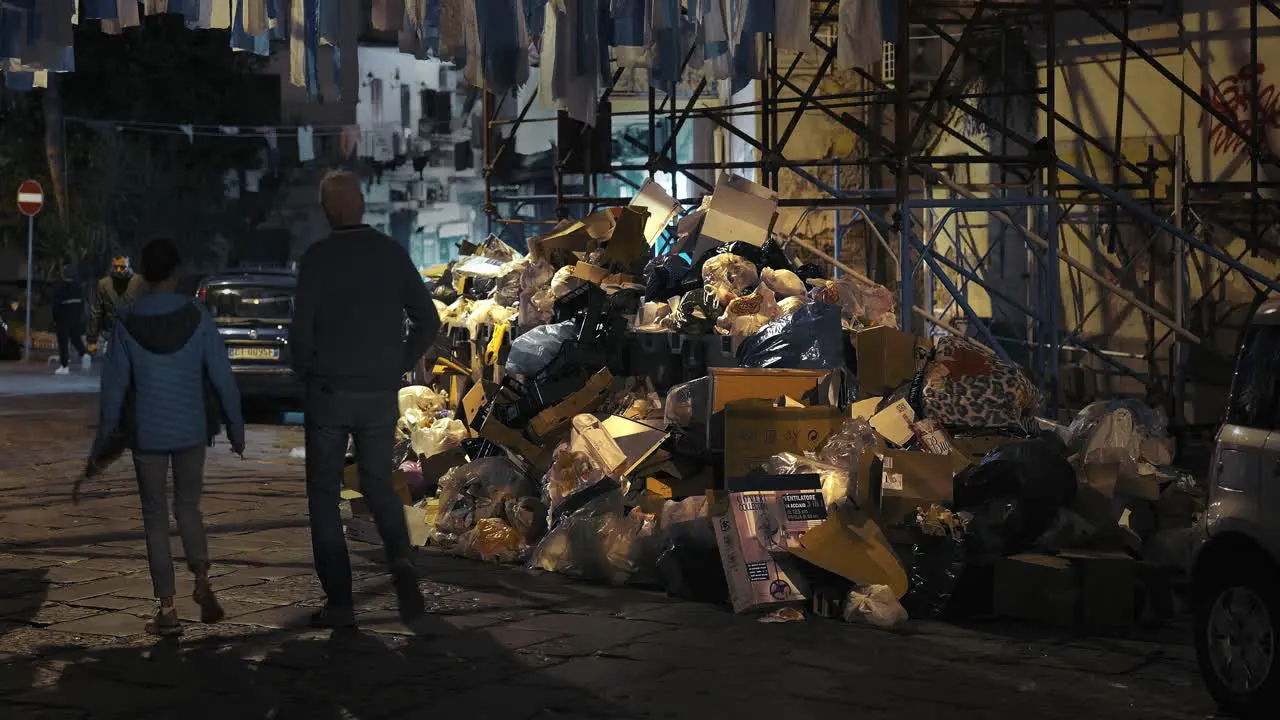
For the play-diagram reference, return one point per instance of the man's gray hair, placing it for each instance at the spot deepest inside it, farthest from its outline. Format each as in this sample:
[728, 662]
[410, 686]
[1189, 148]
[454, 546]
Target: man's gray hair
[342, 198]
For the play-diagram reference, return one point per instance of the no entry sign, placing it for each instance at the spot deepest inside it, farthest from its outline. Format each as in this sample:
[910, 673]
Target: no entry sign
[30, 198]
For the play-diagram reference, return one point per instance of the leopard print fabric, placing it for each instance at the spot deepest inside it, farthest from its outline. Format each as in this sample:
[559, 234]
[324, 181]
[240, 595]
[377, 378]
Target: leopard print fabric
[967, 386]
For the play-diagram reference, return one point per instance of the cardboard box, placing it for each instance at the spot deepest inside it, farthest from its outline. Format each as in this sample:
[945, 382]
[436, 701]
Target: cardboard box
[757, 522]
[740, 210]
[909, 480]
[725, 385]
[673, 488]
[756, 430]
[1086, 591]
[561, 414]
[1036, 588]
[852, 546]
[886, 359]
[351, 481]
[662, 209]
[1108, 583]
[894, 423]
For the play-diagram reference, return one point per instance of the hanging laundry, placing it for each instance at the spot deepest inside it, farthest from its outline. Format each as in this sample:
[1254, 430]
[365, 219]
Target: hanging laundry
[581, 30]
[229, 130]
[269, 134]
[189, 131]
[155, 7]
[761, 16]
[471, 71]
[792, 28]
[349, 141]
[860, 38]
[716, 40]
[630, 19]
[453, 30]
[219, 14]
[252, 180]
[127, 13]
[388, 15]
[253, 16]
[298, 43]
[100, 9]
[306, 144]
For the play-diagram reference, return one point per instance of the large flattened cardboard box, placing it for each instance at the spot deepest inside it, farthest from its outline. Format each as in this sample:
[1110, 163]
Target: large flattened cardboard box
[756, 430]
[757, 522]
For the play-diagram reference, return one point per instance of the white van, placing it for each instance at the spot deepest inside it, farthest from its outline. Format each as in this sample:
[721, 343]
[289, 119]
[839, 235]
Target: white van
[1236, 574]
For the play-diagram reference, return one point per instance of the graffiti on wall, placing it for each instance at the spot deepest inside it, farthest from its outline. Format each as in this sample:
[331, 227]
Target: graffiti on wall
[1233, 96]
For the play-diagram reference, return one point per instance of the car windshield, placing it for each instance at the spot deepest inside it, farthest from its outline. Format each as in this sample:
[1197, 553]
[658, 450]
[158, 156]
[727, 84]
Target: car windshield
[249, 303]
[1255, 391]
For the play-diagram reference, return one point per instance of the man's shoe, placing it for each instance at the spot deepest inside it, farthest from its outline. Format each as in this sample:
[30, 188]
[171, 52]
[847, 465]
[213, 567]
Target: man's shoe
[333, 618]
[409, 595]
[64, 370]
[210, 609]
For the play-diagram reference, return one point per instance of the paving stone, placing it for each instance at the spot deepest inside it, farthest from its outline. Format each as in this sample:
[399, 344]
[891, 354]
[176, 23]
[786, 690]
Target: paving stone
[114, 624]
[276, 617]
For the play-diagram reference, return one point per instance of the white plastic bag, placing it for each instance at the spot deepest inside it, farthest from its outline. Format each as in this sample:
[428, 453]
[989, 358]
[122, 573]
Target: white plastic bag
[444, 434]
[875, 605]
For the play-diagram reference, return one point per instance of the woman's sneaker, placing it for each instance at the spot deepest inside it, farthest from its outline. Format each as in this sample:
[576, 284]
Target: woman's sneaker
[165, 623]
[210, 610]
[64, 370]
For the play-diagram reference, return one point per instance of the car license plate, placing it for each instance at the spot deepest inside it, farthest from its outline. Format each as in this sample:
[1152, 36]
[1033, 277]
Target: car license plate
[253, 353]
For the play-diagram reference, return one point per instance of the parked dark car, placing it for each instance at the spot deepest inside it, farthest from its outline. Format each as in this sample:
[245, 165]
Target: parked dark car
[252, 309]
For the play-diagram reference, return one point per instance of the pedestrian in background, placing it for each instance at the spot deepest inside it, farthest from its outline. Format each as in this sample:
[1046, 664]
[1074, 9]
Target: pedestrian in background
[114, 291]
[167, 386]
[68, 321]
[350, 349]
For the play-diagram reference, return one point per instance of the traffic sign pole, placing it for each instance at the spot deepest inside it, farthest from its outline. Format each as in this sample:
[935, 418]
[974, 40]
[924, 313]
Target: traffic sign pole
[31, 248]
[30, 203]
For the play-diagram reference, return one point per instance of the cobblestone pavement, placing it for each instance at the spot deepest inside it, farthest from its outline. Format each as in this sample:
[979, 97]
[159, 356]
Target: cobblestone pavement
[499, 643]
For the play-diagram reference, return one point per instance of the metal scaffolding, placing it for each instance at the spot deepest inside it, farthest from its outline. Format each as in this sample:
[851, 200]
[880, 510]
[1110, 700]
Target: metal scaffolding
[919, 204]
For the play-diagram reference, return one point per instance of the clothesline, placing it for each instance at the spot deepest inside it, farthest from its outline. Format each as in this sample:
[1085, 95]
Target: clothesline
[228, 131]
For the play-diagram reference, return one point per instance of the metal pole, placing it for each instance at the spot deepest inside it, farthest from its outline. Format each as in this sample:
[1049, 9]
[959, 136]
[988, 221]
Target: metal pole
[31, 245]
[1179, 289]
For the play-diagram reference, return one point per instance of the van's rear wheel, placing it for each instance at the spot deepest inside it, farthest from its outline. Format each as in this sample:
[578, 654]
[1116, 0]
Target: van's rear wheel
[1237, 618]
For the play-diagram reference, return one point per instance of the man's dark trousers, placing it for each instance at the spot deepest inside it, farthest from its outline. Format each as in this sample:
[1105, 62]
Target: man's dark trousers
[332, 416]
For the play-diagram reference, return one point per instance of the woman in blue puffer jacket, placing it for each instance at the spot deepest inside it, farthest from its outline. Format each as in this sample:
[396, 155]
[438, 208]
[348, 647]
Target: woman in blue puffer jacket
[167, 387]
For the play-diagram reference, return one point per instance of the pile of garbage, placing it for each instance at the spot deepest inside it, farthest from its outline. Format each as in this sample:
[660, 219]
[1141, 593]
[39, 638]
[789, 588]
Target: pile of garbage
[739, 428]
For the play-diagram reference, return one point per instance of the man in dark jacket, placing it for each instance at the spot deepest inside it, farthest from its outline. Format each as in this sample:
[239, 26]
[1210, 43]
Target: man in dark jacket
[349, 348]
[68, 320]
[114, 291]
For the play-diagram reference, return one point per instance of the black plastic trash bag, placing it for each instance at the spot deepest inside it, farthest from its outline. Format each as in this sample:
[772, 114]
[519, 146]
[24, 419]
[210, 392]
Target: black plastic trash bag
[773, 256]
[810, 271]
[665, 275]
[1016, 492]
[809, 339]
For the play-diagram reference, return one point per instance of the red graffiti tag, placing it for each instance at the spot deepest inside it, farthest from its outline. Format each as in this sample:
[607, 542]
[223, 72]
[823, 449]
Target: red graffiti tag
[1233, 97]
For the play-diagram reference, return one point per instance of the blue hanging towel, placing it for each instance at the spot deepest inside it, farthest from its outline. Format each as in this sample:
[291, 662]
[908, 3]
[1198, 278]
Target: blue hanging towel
[311, 43]
[100, 10]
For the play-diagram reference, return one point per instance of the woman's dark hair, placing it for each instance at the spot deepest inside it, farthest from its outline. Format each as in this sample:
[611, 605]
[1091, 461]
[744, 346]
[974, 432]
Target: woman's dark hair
[160, 260]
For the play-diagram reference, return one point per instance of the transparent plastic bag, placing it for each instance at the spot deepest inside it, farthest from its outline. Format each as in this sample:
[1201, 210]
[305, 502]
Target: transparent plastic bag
[535, 349]
[478, 490]
[686, 403]
[874, 605]
[492, 539]
[569, 472]
[1145, 422]
[598, 542]
[835, 478]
